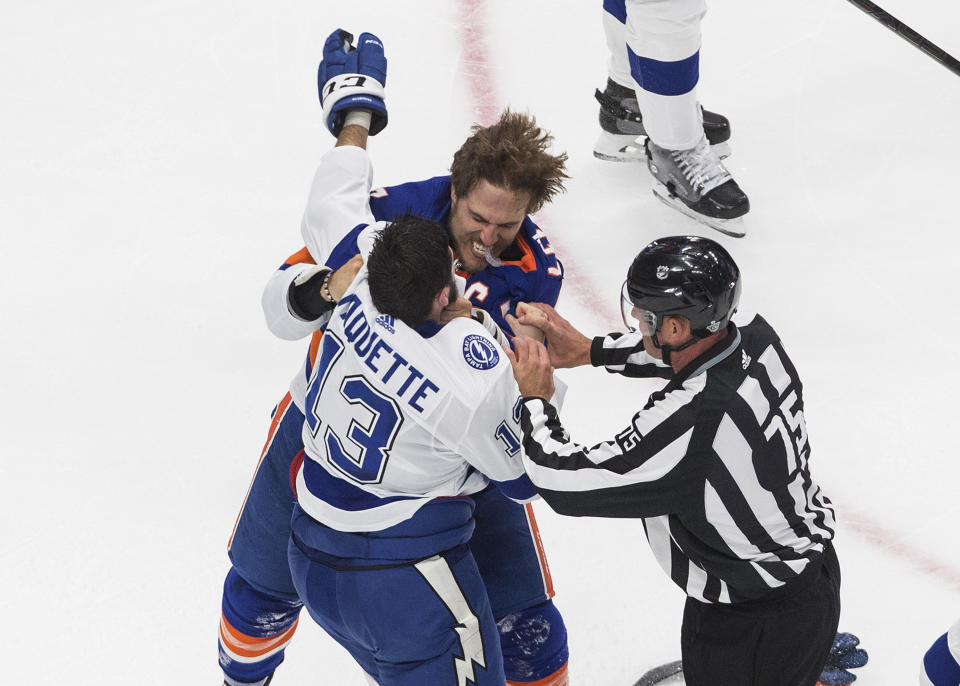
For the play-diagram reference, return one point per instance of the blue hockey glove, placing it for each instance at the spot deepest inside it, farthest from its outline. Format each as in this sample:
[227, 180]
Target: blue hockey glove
[844, 655]
[352, 78]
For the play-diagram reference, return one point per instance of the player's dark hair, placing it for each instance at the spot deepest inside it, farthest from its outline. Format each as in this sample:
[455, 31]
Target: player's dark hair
[510, 154]
[409, 264]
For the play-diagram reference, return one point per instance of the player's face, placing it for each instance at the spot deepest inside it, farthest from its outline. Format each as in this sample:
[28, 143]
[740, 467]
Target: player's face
[485, 220]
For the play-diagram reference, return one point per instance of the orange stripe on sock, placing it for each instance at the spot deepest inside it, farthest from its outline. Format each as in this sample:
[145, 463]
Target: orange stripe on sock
[544, 566]
[558, 678]
[240, 644]
[277, 417]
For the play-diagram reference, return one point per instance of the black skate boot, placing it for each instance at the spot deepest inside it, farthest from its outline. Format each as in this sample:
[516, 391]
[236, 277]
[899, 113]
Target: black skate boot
[695, 182]
[622, 123]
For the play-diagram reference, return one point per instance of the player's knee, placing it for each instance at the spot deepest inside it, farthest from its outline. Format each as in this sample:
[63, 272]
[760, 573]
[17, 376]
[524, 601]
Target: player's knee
[249, 608]
[534, 646]
[255, 628]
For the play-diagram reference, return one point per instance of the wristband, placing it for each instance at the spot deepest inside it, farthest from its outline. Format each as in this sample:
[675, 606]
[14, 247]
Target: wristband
[358, 118]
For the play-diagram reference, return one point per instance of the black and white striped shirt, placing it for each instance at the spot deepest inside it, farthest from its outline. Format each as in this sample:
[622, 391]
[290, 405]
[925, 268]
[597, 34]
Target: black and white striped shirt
[716, 464]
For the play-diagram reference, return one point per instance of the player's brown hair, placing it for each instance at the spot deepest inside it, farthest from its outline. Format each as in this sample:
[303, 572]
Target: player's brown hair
[510, 154]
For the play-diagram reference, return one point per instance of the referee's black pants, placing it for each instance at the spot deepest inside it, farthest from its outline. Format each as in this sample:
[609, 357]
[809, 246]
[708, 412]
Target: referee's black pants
[778, 642]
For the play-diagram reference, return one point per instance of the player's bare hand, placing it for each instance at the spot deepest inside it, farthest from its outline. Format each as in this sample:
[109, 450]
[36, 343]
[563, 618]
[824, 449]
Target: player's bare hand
[531, 368]
[460, 307]
[341, 279]
[566, 345]
[523, 329]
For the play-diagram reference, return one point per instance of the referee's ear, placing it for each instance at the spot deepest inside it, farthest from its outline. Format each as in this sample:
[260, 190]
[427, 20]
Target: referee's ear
[674, 331]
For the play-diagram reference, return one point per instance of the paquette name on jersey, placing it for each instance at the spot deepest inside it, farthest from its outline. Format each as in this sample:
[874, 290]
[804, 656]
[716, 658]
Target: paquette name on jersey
[397, 376]
[480, 352]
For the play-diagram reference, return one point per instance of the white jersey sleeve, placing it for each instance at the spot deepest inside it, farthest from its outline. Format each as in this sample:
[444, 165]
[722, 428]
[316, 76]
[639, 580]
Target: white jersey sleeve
[489, 438]
[339, 199]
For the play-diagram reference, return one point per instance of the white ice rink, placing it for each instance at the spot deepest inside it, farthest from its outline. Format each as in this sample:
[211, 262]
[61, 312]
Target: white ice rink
[154, 163]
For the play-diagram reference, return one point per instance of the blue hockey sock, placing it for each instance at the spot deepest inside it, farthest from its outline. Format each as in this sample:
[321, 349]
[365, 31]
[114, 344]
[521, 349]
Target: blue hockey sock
[534, 643]
[255, 628]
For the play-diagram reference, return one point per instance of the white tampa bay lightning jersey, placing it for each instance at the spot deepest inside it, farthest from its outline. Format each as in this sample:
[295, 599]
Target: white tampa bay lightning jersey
[395, 420]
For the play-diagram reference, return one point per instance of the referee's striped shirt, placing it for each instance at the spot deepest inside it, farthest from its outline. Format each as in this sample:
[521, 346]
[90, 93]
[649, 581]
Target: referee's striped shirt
[716, 464]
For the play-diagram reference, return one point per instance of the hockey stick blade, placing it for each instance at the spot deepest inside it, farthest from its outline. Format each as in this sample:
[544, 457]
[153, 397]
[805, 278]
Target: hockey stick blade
[908, 34]
[669, 673]
[731, 227]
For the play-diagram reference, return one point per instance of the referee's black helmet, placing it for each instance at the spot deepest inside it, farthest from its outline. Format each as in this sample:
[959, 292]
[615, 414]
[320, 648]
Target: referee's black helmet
[682, 276]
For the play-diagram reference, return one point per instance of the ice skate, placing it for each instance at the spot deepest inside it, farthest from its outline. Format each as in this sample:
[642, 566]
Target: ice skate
[697, 184]
[622, 123]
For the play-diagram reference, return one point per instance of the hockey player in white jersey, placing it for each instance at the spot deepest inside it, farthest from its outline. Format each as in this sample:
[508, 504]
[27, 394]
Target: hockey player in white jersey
[395, 444]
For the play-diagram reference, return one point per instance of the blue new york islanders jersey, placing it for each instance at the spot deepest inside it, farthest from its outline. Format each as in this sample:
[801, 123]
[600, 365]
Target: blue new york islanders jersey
[531, 271]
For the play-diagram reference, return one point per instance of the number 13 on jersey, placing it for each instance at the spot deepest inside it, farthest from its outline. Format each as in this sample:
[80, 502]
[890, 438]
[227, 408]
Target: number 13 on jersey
[366, 417]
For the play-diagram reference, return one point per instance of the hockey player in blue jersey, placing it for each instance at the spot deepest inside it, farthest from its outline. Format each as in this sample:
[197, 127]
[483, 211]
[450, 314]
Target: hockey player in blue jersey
[505, 259]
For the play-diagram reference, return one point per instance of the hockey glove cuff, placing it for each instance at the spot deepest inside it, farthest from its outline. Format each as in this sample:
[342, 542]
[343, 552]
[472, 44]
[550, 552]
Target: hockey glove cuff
[309, 295]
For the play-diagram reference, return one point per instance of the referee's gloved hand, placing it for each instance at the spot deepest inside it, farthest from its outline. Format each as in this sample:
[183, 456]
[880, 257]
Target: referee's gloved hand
[844, 655]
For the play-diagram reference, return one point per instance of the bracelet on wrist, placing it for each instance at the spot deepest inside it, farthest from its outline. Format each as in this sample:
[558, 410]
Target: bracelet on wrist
[325, 289]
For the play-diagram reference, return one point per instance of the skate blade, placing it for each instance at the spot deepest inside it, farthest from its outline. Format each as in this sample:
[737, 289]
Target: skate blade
[731, 227]
[670, 673]
[615, 147]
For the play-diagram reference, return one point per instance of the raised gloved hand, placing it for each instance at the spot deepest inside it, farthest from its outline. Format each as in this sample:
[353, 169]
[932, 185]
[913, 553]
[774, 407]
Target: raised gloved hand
[844, 655]
[352, 78]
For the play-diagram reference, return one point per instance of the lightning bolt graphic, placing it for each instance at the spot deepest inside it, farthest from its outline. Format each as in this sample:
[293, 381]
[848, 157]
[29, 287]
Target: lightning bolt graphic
[471, 644]
[438, 574]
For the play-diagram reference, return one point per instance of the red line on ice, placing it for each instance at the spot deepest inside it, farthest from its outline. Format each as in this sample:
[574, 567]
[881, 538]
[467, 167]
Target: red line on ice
[475, 66]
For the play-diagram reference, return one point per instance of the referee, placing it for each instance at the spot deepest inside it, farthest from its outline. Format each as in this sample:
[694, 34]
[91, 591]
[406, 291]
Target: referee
[716, 464]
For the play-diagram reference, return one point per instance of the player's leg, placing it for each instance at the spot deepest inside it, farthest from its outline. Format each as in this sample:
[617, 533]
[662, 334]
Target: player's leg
[663, 49]
[410, 624]
[254, 630]
[621, 120]
[506, 545]
[260, 603]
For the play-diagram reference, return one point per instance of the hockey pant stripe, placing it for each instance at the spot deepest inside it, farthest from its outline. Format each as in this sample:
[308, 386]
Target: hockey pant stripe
[248, 649]
[558, 678]
[541, 554]
[278, 413]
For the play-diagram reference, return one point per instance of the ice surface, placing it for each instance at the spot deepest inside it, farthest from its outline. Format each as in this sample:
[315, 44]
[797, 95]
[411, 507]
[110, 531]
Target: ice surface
[154, 163]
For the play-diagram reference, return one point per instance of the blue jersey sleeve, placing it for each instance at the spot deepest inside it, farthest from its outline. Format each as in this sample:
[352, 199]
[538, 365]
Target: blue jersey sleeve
[429, 199]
